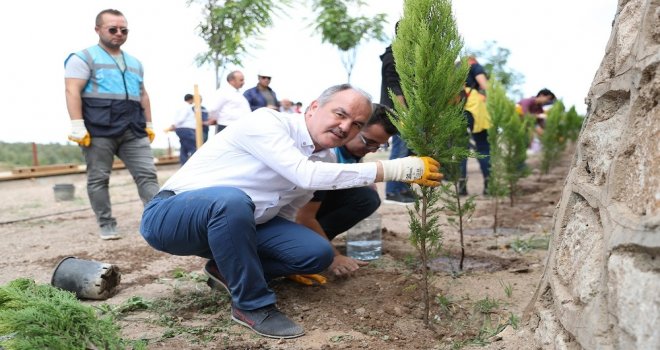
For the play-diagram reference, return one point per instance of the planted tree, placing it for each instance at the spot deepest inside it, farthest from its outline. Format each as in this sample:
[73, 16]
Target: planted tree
[345, 32]
[227, 27]
[432, 121]
[551, 139]
[508, 138]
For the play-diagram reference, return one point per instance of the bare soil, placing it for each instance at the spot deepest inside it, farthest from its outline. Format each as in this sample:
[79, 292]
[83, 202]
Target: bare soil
[380, 307]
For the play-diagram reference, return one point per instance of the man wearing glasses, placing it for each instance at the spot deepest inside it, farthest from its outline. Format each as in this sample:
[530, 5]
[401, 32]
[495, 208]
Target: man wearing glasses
[234, 202]
[110, 115]
[330, 213]
[262, 95]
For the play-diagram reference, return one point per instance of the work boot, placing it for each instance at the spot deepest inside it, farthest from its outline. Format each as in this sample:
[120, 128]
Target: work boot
[215, 281]
[267, 321]
[462, 187]
[109, 231]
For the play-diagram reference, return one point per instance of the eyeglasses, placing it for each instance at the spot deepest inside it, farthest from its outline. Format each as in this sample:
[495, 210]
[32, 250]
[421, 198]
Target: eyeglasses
[267, 78]
[114, 30]
[371, 145]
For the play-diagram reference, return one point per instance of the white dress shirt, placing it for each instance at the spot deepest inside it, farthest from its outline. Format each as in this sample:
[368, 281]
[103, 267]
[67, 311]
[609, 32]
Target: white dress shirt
[228, 105]
[270, 157]
[185, 117]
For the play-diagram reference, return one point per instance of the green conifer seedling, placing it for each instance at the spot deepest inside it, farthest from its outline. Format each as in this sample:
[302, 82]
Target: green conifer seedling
[552, 140]
[431, 121]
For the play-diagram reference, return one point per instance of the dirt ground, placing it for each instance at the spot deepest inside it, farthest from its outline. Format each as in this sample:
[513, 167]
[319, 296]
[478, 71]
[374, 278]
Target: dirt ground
[381, 307]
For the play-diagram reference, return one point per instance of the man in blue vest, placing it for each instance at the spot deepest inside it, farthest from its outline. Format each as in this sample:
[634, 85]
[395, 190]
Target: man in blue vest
[110, 115]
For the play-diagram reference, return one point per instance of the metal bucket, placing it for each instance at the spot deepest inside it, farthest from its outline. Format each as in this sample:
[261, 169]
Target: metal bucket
[64, 192]
[86, 278]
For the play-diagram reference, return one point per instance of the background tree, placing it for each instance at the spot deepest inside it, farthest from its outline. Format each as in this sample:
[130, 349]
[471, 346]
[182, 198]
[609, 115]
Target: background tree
[432, 122]
[495, 60]
[338, 28]
[552, 140]
[227, 27]
[508, 138]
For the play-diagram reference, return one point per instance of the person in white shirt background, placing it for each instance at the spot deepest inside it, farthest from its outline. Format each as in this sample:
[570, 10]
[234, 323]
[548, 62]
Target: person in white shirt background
[228, 103]
[234, 202]
[184, 125]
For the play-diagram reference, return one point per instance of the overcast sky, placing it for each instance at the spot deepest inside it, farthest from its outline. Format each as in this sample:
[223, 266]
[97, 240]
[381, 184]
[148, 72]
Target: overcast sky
[554, 44]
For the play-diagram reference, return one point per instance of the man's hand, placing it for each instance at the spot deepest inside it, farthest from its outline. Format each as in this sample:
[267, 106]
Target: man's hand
[307, 280]
[423, 171]
[150, 132]
[343, 266]
[79, 133]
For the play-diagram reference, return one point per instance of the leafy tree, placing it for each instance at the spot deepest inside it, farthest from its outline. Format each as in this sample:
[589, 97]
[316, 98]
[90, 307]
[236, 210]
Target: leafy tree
[432, 121]
[227, 27]
[338, 28]
[494, 59]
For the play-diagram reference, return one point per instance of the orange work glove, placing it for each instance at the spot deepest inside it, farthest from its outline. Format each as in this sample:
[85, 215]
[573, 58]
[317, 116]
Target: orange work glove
[307, 280]
[150, 132]
[79, 133]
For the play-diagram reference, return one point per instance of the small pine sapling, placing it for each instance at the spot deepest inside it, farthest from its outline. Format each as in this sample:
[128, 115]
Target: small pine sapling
[431, 122]
[551, 140]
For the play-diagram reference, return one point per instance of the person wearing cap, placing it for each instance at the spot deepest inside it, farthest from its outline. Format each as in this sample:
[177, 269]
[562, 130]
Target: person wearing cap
[262, 95]
[234, 202]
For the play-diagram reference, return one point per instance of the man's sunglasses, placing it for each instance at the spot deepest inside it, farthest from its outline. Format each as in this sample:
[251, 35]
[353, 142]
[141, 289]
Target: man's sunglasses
[371, 144]
[114, 30]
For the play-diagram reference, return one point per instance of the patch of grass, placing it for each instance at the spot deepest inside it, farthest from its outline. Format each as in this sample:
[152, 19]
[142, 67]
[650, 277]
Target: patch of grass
[534, 242]
[508, 289]
[486, 305]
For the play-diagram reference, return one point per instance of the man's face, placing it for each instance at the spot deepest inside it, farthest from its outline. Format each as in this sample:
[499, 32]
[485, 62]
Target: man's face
[339, 120]
[116, 24]
[238, 81]
[367, 140]
[263, 81]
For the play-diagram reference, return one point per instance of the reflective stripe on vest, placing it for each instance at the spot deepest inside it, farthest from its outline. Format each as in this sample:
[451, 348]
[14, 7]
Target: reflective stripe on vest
[107, 80]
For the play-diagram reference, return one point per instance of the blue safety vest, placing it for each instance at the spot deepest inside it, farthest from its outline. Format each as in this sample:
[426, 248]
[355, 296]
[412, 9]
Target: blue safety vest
[111, 97]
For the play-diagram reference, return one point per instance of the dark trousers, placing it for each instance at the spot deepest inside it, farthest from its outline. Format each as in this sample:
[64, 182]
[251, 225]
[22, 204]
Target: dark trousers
[482, 147]
[188, 141]
[342, 209]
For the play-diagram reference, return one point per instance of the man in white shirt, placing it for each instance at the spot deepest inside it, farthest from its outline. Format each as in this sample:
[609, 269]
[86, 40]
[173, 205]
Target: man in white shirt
[184, 125]
[234, 202]
[228, 104]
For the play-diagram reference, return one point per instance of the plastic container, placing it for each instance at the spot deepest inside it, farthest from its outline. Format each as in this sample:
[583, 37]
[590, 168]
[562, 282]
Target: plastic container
[64, 192]
[88, 279]
[364, 240]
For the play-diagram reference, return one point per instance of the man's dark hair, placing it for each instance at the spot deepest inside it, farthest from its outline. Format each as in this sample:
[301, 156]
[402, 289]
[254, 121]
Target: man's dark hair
[188, 97]
[381, 115]
[546, 92]
[99, 17]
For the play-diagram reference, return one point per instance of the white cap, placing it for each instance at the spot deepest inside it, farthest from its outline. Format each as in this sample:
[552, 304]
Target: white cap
[265, 73]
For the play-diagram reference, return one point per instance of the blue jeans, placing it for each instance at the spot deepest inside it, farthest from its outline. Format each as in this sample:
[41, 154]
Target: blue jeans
[188, 141]
[399, 150]
[482, 148]
[342, 209]
[218, 223]
[136, 154]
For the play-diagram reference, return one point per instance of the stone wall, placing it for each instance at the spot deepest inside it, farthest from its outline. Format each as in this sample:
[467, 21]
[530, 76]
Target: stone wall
[601, 286]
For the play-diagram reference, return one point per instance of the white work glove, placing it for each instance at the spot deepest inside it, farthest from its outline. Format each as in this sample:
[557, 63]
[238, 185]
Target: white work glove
[79, 133]
[420, 170]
